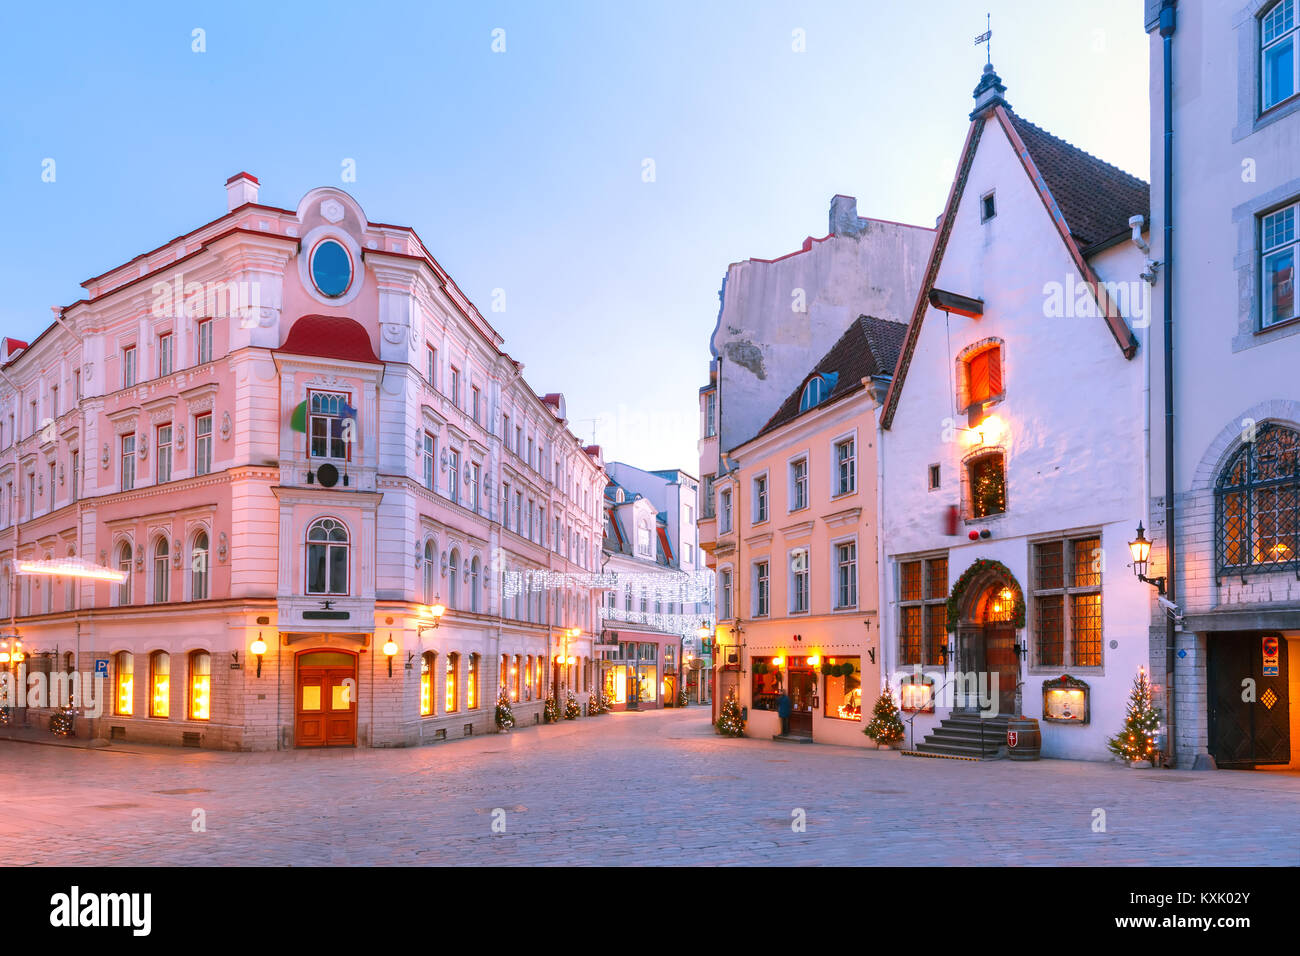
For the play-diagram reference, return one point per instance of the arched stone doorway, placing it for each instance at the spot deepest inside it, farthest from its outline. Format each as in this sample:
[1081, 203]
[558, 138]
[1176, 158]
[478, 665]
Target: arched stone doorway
[990, 607]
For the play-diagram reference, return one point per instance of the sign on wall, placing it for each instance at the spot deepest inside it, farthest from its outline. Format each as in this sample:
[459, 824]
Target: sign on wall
[1270, 655]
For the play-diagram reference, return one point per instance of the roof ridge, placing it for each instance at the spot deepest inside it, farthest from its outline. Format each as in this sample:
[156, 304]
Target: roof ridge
[1078, 149]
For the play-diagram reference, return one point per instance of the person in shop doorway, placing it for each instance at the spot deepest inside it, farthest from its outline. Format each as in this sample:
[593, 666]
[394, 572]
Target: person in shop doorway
[783, 708]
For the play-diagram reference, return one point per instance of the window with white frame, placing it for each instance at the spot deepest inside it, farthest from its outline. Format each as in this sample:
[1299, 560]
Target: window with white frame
[799, 484]
[724, 510]
[327, 557]
[724, 594]
[762, 588]
[164, 354]
[799, 581]
[327, 412]
[846, 480]
[760, 499]
[203, 444]
[128, 366]
[453, 476]
[475, 471]
[161, 571]
[846, 575]
[429, 449]
[199, 567]
[431, 365]
[128, 462]
[1278, 247]
[204, 337]
[643, 539]
[1279, 66]
[162, 450]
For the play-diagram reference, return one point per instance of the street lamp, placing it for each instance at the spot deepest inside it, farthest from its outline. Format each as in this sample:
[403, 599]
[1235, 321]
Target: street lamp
[257, 649]
[1140, 549]
[390, 650]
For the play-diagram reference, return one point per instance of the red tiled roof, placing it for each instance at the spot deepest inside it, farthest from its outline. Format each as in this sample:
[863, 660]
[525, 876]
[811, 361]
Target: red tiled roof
[1095, 197]
[328, 336]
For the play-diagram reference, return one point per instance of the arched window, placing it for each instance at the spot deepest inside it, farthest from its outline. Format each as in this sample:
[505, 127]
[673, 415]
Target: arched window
[200, 685]
[199, 567]
[1257, 505]
[160, 686]
[987, 482]
[475, 568]
[328, 553]
[161, 572]
[453, 579]
[813, 393]
[471, 689]
[528, 677]
[426, 683]
[452, 703]
[70, 595]
[124, 666]
[516, 677]
[503, 675]
[430, 571]
[124, 564]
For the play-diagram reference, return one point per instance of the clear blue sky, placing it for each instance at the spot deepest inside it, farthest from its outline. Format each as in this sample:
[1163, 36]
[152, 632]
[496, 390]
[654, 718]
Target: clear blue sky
[522, 170]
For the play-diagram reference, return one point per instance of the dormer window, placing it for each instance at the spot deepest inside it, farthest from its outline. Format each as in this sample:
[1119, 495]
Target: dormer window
[816, 390]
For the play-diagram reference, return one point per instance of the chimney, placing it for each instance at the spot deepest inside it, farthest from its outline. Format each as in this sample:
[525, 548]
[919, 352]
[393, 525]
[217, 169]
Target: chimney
[844, 219]
[241, 188]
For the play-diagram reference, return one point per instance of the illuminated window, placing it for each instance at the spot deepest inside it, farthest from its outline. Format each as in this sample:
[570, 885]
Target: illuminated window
[200, 685]
[516, 677]
[160, 667]
[982, 372]
[988, 485]
[528, 677]
[471, 688]
[843, 690]
[452, 703]
[1067, 602]
[426, 683]
[766, 683]
[922, 622]
[1257, 498]
[125, 665]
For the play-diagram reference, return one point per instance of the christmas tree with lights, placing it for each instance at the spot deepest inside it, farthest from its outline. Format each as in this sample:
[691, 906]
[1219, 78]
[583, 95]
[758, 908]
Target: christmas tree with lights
[885, 727]
[1137, 741]
[572, 709]
[730, 723]
[505, 713]
[551, 713]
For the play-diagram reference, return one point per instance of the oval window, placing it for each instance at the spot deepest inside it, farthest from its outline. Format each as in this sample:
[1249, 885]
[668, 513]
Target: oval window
[331, 268]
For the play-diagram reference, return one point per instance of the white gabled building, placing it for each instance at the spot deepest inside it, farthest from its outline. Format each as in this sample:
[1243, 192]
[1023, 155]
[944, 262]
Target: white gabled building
[1012, 470]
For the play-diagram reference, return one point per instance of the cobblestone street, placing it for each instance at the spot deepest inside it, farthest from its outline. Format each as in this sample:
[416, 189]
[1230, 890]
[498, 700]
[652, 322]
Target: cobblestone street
[648, 788]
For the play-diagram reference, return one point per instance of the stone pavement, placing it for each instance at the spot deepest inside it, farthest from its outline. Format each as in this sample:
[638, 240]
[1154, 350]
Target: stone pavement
[657, 787]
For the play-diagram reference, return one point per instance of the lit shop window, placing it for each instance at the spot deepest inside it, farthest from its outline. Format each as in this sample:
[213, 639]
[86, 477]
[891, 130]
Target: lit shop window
[766, 683]
[472, 688]
[200, 685]
[453, 692]
[843, 676]
[159, 684]
[426, 684]
[125, 684]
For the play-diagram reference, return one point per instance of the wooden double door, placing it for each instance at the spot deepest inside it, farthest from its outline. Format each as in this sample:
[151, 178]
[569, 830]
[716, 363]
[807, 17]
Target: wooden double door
[988, 651]
[325, 699]
[803, 699]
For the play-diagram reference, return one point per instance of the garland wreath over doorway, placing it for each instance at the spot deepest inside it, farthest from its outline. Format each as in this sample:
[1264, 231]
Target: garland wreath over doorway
[980, 568]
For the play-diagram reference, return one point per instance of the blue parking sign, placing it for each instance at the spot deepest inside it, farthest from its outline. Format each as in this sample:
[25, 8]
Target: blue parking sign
[101, 666]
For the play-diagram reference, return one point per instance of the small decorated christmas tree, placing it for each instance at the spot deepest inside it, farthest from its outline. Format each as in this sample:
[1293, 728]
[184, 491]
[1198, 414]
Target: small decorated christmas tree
[1137, 741]
[729, 722]
[885, 727]
[551, 713]
[505, 714]
[572, 709]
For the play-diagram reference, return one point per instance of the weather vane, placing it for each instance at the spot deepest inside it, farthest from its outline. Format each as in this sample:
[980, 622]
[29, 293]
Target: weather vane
[987, 38]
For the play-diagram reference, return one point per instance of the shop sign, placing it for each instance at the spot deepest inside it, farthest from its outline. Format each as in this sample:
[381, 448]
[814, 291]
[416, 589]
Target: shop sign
[1270, 656]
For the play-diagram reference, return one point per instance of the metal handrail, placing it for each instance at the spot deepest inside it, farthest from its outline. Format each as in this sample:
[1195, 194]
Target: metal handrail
[911, 721]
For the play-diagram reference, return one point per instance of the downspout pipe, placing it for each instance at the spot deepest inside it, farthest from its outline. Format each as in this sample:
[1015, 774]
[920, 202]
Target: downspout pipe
[1168, 23]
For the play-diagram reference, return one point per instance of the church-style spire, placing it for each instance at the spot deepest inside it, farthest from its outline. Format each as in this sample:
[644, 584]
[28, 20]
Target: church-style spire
[989, 92]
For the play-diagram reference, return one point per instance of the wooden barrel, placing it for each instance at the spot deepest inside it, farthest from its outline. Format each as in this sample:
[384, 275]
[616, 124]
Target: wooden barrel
[1024, 741]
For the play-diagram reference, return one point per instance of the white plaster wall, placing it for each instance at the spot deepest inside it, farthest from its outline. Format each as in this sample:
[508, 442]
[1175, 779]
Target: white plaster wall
[1074, 441]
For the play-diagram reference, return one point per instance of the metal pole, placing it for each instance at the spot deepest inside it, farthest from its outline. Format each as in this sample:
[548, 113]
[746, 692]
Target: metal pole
[1167, 26]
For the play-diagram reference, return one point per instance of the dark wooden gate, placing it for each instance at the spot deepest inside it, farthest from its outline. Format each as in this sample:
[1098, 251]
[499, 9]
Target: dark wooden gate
[1243, 733]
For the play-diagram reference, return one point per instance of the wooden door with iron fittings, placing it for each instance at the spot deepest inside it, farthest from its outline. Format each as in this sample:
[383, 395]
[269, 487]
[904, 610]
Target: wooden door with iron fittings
[325, 705]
